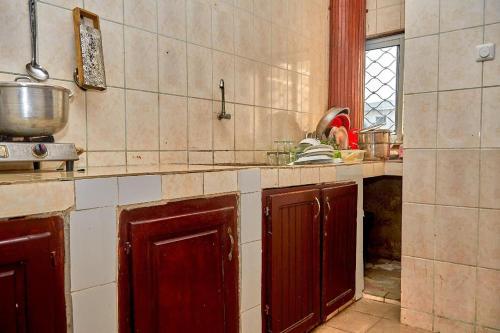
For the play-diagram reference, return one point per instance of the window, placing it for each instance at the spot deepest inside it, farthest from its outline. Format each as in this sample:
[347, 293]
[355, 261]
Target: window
[384, 83]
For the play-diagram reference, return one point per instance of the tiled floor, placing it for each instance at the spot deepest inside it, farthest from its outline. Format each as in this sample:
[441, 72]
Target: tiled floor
[367, 316]
[383, 279]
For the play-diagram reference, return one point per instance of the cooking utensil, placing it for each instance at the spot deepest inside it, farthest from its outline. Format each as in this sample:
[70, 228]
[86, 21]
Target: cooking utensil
[323, 127]
[33, 68]
[30, 109]
[376, 143]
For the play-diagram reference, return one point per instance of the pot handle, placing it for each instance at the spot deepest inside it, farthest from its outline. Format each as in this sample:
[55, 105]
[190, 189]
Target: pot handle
[71, 94]
[23, 77]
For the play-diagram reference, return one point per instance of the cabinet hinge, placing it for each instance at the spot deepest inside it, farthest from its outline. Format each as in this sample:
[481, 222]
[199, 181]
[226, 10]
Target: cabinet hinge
[267, 211]
[53, 258]
[127, 247]
[268, 319]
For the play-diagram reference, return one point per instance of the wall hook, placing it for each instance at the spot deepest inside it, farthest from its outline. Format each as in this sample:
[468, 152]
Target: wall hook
[223, 114]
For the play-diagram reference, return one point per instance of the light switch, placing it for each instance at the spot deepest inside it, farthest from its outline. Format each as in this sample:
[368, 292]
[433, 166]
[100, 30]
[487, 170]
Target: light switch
[485, 52]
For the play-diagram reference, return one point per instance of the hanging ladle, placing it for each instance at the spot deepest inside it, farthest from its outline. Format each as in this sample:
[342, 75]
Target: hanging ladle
[33, 68]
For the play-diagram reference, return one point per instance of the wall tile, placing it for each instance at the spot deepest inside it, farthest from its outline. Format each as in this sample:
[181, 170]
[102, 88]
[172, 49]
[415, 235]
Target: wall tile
[14, 198]
[490, 179]
[173, 122]
[459, 119]
[94, 309]
[140, 14]
[143, 158]
[185, 185]
[55, 41]
[489, 234]
[491, 69]
[460, 14]
[199, 74]
[289, 177]
[488, 289]
[224, 156]
[112, 46]
[93, 246]
[294, 91]
[457, 185]
[416, 319]
[201, 157]
[243, 33]
[199, 124]
[279, 47]
[262, 8]
[141, 60]
[262, 37]
[420, 114]
[263, 138]
[454, 291]
[280, 12]
[327, 174]
[251, 319]
[422, 18]
[263, 75]
[104, 108]
[111, 9]
[224, 128]
[251, 219]
[309, 176]
[490, 128]
[96, 193]
[421, 64]
[244, 157]
[249, 180]
[269, 178]
[389, 18]
[457, 59]
[137, 189]
[419, 176]
[172, 18]
[173, 157]
[492, 12]
[223, 26]
[244, 81]
[456, 234]
[244, 127]
[199, 22]
[172, 66]
[142, 120]
[418, 230]
[279, 88]
[278, 118]
[452, 326]
[223, 68]
[251, 275]
[220, 182]
[416, 284]
[106, 158]
[371, 22]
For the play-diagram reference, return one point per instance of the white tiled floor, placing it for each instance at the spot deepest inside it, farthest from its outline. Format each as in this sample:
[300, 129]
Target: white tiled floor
[367, 316]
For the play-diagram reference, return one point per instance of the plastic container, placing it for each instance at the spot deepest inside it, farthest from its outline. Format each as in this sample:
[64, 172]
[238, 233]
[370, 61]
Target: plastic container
[352, 156]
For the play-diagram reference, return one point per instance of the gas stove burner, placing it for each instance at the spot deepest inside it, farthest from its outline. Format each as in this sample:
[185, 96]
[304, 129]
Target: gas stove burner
[37, 151]
[47, 139]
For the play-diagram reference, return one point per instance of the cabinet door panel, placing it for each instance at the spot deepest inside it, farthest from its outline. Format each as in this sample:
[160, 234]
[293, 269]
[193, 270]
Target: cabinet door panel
[31, 276]
[181, 274]
[292, 254]
[339, 246]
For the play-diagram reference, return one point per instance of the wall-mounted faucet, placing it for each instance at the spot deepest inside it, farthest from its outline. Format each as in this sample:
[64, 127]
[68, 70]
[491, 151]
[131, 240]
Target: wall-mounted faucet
[223, 114]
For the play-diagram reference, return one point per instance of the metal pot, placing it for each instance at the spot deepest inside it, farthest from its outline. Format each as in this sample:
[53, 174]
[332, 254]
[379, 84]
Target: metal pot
[32, 109]
[376, 143]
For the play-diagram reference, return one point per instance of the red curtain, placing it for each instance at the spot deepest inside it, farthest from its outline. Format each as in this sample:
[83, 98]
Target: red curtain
[347, 57]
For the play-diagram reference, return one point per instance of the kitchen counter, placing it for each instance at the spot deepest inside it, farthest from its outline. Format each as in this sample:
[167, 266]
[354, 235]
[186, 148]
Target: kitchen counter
[41, 192]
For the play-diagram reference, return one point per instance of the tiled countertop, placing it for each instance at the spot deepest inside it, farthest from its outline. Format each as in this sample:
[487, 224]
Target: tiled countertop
[32, 193]
[19, 177]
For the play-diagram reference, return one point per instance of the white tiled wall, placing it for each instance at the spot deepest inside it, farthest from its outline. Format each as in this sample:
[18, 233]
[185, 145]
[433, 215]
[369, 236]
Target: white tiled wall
[451, 187]
[164, 60]
[384, 16]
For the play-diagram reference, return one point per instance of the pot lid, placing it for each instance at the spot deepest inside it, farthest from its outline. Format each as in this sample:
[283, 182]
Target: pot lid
[31, 83]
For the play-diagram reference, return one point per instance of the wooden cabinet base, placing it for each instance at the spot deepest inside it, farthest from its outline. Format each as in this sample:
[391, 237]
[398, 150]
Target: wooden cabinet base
[179, 267]
[32, 276]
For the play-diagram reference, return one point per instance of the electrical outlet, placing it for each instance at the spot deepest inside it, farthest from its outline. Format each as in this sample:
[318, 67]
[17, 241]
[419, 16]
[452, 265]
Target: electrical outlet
[485, 52]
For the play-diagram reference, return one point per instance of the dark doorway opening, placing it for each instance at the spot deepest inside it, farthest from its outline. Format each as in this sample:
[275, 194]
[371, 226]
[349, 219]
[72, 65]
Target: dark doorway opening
[382, 204]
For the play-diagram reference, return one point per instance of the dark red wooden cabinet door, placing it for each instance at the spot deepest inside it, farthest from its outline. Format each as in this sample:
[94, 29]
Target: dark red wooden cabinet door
[32, 276]
[291, 257]
[182, 266]
[339, 246]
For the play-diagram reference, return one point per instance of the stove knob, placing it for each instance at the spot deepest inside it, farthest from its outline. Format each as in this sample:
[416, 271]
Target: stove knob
[39, 150]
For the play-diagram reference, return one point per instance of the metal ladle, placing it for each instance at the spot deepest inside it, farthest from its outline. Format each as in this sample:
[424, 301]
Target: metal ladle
[33, 68]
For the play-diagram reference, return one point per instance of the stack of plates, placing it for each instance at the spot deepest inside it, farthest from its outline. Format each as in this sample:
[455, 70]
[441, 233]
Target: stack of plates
[316, 154]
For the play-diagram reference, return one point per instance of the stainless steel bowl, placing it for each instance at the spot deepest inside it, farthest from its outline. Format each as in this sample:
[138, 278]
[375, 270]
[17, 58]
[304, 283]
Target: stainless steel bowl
[324, 122]
[32, 109]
